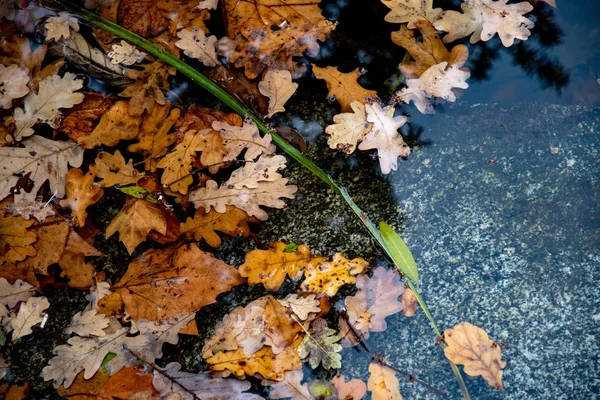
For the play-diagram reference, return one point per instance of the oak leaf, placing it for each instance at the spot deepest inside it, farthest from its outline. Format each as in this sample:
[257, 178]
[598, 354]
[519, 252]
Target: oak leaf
[44, 159]
[349, 128]
[233, 222]
[84, 389]
[127, 384]
[137, 218]
[141, 17]
[82, 119]
[354, 389]
[427, 52]
[115, 125]
[253, 173]
[114, 171]
[177, 164]
[328, 276]
[411, 11]
[485, 18]
[290, 387]
[196, 44]
[15, 240]
[280, 328]
[126, 54]
[60, 26]
[172, 280]
[11, 294]
[384, 136]
[383, 383]
[409, 303]
[301, 306]
[30, 313]
[277, 85]
[183, 14]
[343, 86]
[270, 267]
[27, 208]
[469, 345]
[147, 90]
[88, 323]
[320, 346]
[13, 84]
[81, 193]
[238, 138]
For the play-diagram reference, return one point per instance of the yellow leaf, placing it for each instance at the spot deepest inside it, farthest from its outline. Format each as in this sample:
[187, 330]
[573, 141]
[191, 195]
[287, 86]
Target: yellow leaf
[328, 276]
[15, 240]
[343, 86]
[277, 85]
[177, 164]
[234, 222]
[469, 345]
[113, 170]
[383, 383]
[115, 125]
[348, 128]
[81, 194]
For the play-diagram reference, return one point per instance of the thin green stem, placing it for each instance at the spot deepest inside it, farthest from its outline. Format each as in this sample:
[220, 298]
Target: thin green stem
[222, 95]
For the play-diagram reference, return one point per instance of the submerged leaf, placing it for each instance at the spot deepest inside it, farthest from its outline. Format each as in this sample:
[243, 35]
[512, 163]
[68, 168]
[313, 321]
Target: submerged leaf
[321, 346]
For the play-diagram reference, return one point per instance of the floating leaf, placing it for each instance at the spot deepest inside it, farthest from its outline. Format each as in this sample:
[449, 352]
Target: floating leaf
[344, 86]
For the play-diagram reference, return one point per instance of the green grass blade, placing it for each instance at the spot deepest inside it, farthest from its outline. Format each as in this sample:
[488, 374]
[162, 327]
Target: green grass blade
[399, 251]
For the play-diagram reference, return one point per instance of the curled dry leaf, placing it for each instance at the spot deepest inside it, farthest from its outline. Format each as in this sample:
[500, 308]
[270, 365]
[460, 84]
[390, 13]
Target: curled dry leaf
[469, 345]
[277, 85]
[126, 54]
[383, 383]
[15, 240]
[411, 11]
[344, 86]
[13, 84]
[349, 128]
[351, 390]
[81, 193]
[270, 267]
[30, 313]
[233, 222]
[328, 276]
[113, 170]
[196, 44]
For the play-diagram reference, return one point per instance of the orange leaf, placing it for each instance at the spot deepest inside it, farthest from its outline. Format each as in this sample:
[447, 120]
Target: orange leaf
[469, 345]
[83, 117]
[15, 240]
[234, 222]
[81, 194]
[141, 17]
[279, 326]
[343, 86]
[84, 389]
[115, 125]
[148, 86]
[409, 303]
[126, 383]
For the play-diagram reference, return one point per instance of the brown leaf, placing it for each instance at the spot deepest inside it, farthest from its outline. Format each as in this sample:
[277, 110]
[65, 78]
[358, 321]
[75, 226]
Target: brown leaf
[173, 280]
[115, 125]
[409, 303]
[84, 389]
[177, 164]
[469, 345]
[239, 86]
[234, 222]
[113, 170]
[15, 240]
[427, 52]
[328, 276]
[277, 85]
[141, 17]
[126, 383]
[172, 228]
[15, 392]
[183, 14]
[343, 86]
[137, 218]
[279, 326]
[270, 267]
[83, 117]
[150, 82]
[81, 193]
[15, 49]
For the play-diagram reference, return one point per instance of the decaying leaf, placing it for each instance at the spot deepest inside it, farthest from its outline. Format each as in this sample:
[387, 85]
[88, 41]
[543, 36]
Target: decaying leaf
[27, 208]
[301, 306]
[328, 276]
[175, 279]
[196, 44]
[15, 240]
[409, 303]
[411, 11]
[115, 125]
[236, 139]
[113, 170]
[349, 128]
[177, 164]
[137, 218]
[30, 313]
[277, 85]
[126, 54]
[270, 267]
[351, 390]
[60, 27]
[383, 383]
[290, 387]
[485, 18]
[280, 328]
[141, 17]
[88, 323]
[147, 90]
[81, 193]
[44, 159]
[321, 346]
[344, 86]
[469, 345]
[13, 84]
[233, 222]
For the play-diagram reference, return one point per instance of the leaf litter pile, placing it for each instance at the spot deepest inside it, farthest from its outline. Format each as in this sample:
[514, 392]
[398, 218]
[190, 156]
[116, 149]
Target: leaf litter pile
[191, 175]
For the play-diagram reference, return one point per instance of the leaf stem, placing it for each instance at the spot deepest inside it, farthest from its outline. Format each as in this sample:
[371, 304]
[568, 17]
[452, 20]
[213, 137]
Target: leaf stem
[222, 95]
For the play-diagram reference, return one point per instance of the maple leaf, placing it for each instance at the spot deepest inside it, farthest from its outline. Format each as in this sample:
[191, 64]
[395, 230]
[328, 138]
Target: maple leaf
[270, 267]
[172, 280]
[81, 193]
[60, 27]
[13, 84]
[236, 139]
[301, 306]
[351, 390]
[15, 240]
[328, 276]
[177, 164]
[437, 81]
[88, 323]
[233, 222]
[485, 18]
[320, 346]
[290, 387]
[469, 345]
[383, 383]
[196, 44]
[384, 136]
[137, 218]
[190, 386]
[274, 33]
[377, 298]
[277, 85]
[30, 313]
[113, 170]
[427, 52]
[343, 86]
[349, 128]
[54, 93]
[44, 159]
[126, 54]
[411, 11]
[147, 90]
[115, 125]
[409, 303]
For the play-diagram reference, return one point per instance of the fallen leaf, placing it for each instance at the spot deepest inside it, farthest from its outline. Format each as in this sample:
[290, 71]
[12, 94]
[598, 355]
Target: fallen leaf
[74, 267]
[126, 54]
[84, 389]
[485, 18]
[16, 392]
[61, 26]
[239, 86]
[301, 306]
[27, 208]
[208, 4]
[253, 173]
[111, 304]
[233, 222]
[409, 303]
[81, 193]
[150, 82]
[280, 328]
[183, 14]
[470, 346]
[383, 383]
[320, 346]
[15, 240]
[290, 387]
[81, 120]
[113, 170]
[17, 50]
[343, 86]
[141, 17]
[177, 164]
[270, 267]
[172, 280]
[11, 295]
[238, 138]
[349, 128]
[411, 11]
[328, 276]
[30, 313]
[44, 159]
[196, 44]
[128, 382]
[88, 323]
[115, 125]
[351, 390]
[277, 85]
[13, 84]
[384, 136]
[428, 51]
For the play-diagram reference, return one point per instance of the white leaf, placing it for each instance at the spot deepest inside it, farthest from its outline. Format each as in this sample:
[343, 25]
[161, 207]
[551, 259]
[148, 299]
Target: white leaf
[410, 11]
[196, 44]
[277, 85]
[60, 26]
[98, 291]
[88, 323]
[13, 84]
[238, 138]
[30, 314]
[27, 208]
[301, 306]
[263, 170]
[348, 128]
[126, 54]
[19, 291]
[290, 386]
[208, 5]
